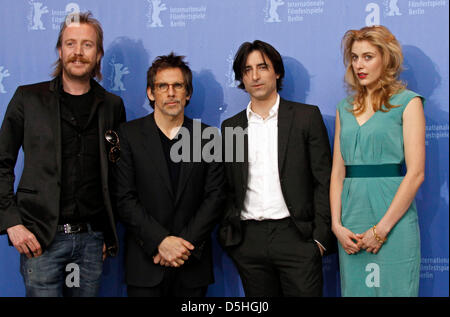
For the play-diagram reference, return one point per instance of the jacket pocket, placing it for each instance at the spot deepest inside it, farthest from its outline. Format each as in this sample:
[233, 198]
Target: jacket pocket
[26, 190]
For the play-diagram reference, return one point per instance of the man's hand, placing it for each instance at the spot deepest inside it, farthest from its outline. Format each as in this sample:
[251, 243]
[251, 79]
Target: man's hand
[24, 241]
[173, 251]
[157, 259]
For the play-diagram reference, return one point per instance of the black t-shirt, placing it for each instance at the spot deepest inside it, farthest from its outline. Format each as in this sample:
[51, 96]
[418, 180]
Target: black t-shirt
[81, 188]
[174, 168]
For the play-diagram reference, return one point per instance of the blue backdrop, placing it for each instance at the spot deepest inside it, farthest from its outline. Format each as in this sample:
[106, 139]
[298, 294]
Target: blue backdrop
[307, 34]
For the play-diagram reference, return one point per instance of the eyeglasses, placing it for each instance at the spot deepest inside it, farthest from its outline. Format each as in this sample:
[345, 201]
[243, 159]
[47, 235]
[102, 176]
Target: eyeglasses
[163, 87]
[113, 139]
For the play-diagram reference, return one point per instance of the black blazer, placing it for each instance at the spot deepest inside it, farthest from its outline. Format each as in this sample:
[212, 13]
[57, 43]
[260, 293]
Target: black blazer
[33, 121]
[304, 165]
[151, 210]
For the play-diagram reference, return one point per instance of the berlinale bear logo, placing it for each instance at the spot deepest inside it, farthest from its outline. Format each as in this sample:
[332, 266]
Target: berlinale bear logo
[3, 74]
[155, 10]
[37, 10]
[118, 71]
[271, 11]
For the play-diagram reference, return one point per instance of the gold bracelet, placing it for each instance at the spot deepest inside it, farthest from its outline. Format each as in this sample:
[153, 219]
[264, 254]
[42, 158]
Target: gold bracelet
[377, 237]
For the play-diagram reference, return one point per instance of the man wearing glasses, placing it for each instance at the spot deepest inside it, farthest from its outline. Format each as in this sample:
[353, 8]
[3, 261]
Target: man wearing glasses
[169, 207]
[61, 219]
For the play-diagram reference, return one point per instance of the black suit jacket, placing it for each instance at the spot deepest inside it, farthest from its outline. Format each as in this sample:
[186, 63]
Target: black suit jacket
[304, 166]
[33, 121]
[151, 210]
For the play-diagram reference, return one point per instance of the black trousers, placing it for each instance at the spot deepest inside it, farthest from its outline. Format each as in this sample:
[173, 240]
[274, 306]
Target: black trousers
[273, 260]
[169, 287]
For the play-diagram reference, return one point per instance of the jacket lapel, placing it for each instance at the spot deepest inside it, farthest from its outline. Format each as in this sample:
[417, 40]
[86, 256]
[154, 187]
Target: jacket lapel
[104, 124]
[152, 145]
[244, 169]
[99, 97]
[55, 120]
[285, 116]
[242, 121]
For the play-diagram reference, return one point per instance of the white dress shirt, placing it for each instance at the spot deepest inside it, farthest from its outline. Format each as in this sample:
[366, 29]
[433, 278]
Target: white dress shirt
[264, 199]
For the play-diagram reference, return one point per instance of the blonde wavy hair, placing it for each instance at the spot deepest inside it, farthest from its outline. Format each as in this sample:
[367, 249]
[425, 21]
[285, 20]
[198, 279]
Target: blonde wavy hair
[388, 83]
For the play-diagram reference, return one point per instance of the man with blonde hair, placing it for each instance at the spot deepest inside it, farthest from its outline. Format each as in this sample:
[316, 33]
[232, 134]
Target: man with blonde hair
[60, 219]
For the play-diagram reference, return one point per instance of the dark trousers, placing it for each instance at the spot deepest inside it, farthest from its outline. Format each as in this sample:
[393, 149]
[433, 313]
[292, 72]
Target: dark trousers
[273, 260]
[169, 287]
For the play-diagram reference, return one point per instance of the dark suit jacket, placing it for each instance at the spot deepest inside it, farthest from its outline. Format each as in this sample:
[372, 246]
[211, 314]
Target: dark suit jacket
[151, 210]
[304, 165]
[33, 121]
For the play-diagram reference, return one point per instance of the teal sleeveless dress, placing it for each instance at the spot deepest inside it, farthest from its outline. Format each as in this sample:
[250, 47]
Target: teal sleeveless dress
[395, 269]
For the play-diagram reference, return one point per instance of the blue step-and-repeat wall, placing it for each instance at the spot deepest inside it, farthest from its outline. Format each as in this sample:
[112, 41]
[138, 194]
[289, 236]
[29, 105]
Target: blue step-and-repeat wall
[208, 32]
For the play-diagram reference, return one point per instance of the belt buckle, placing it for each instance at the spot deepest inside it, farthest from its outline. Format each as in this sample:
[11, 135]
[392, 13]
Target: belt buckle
[69, 229]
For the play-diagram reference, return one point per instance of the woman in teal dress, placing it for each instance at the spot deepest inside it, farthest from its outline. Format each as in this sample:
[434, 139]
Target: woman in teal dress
[380, 130]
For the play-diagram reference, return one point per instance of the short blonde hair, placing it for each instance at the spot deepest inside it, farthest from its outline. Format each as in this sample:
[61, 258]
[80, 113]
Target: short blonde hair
[392, 56]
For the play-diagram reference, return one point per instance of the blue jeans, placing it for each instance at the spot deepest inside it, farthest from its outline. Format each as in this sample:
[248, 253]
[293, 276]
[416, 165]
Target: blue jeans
[71, 266]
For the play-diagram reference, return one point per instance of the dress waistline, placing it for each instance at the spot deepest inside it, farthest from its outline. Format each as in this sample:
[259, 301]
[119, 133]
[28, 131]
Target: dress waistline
[384, 170]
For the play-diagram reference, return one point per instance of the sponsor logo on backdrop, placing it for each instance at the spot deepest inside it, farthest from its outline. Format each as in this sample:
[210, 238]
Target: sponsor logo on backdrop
[391, 8]
[397, 8]
[155, 8]
[271, 10]
[435, 132]
[420, 7]
[37, 9]
[175, 16]
[57, 16]
[231, 80]
[298, 10]
[430, 266]
[292, 11]
[3, 73]
[118, 70]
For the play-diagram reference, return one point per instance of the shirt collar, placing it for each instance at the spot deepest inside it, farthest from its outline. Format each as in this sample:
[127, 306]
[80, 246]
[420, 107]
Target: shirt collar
[273, 111]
